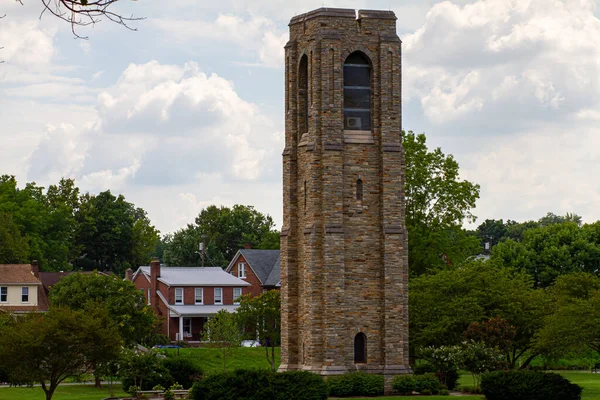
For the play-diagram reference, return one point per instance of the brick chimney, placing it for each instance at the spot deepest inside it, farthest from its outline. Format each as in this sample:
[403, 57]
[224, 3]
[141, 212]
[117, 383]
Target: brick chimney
[154, 275]
[129, 274]
[35, 269]
[247, 245]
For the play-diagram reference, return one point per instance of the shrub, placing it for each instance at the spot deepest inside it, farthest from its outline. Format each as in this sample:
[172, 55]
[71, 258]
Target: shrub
[423, 368]
[450, 379]
[159, 387]
[532, 385]
[176, 386]
[299, 385]
[355, 384]
[169, 395]
[427, 382]
[182, 370]
[404, 384]
[260, 385]
[426, 392]
[444, 392]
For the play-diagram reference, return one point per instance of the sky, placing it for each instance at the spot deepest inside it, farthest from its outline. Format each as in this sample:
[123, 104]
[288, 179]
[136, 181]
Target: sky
[188, 110]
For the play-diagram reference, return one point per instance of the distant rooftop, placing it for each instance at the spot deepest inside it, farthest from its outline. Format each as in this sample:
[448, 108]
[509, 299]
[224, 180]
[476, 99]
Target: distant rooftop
[195, 276]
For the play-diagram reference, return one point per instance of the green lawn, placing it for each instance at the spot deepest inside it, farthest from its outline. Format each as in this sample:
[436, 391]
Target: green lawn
[209, 360]
[79, 392]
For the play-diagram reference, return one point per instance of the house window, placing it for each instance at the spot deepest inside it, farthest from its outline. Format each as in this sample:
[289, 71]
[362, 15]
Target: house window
[3, 294]
[199, 295]
[218, 296]
[237, 293]
[360, 348]
[357, 93]
[187, 327]
[25, 294]
[178, 295]
[241, 270]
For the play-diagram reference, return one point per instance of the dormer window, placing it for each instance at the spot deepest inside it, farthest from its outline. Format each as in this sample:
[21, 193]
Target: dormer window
[357, 93]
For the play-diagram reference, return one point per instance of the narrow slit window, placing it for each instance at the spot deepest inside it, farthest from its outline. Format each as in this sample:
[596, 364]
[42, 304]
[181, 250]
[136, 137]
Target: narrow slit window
[360, 348]
[357, 93]
[359, 189]
[303, 95]
[305, 195]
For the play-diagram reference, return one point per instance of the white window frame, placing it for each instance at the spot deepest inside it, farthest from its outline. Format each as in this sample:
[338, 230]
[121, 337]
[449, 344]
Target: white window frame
[236, 298]
[241, 270]
[201, 291]
[24, 292]
[5, 294]
[220, 302]
[180, 290]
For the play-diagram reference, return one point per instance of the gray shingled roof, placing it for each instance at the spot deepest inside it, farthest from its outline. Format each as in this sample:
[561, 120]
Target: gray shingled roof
[274, 276]
[263, 262]
[196, 276]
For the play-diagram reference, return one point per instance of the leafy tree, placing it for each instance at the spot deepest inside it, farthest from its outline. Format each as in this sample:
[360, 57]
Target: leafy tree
[477, 358]
[222, 331]
[143, 370]
[437, 203]
[494, 332]
[48, 348]
[224, 230]
[261, 315]
[14, 248]
[113, 234]
[574, 325]
[491, 231]
[444, 304]
[552, 250]
[551, 219]
[126, 305]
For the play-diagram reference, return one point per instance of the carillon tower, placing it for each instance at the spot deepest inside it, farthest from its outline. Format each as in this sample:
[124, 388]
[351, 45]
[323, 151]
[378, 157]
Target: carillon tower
[344, 247]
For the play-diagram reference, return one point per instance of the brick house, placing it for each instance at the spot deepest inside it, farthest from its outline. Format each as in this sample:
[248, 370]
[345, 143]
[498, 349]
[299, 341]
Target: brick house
[20, 288]
[260, 268]
[185, 297]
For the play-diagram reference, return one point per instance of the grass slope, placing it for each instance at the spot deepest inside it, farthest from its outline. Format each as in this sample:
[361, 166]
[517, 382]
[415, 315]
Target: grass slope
[79, 392]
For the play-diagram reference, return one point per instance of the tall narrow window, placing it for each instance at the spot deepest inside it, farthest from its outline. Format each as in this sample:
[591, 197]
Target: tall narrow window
[218, 296]
[178, 295]
[357, 93]
[241, 270]
[359, 189]
[25, 294]
[199, 295]
[360, 348]
[305, 195]
[303, 95]
[3, 294]
[237, 293]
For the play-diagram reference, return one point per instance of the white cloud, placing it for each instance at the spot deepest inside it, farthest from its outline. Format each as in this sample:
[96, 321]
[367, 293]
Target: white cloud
[26, 44]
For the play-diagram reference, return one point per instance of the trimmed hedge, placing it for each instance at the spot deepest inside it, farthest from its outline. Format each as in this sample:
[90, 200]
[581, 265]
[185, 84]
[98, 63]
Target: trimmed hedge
[404, 384]
[260, 385]
[427, 383]
[182, 370]
[355, 384]
[530, 385]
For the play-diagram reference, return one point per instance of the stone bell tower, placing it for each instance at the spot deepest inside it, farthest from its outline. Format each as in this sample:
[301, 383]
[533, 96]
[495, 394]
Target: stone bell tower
[344, 264]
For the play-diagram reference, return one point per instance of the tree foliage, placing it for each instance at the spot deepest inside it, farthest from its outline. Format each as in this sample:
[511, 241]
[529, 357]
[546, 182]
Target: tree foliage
[437, 203]
[261, 316]
[126, 305]
[224, 230]
[444, 304]
[223, 331]
[48, 348]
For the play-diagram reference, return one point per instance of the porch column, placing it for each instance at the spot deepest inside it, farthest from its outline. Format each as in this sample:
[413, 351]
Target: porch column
[181, 327]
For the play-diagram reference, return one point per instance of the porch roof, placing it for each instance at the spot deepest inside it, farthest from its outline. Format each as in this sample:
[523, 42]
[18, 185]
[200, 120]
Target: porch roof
[199, 310]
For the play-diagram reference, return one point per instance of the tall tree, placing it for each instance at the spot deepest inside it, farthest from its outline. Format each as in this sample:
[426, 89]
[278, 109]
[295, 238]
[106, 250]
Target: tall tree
[261, 315]
[224, 230]
[14, 248]
[126, 305]
[444, 304]
[437, 203]
[222, 331]
[48, 348]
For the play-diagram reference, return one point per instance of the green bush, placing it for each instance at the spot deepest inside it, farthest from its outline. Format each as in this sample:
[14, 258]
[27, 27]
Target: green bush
[182, 370]
[423, 368]
[404, 384]
[159, 387]
[260, 385]
[355, 384]
[426, 392]
[427, 382]
[531, 385]
[449, 377]
[444, 392]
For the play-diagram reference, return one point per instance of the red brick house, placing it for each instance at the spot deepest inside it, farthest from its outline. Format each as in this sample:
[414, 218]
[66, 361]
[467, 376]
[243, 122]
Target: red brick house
[260, 268]
[186, 296]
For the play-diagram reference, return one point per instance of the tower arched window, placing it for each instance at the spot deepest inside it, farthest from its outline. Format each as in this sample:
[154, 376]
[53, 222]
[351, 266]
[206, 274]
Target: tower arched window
[359, 189]
[303, 95]
[360, 348]
[357, 93]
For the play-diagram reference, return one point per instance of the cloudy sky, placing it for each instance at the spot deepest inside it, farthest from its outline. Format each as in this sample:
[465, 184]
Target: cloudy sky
[188, 111]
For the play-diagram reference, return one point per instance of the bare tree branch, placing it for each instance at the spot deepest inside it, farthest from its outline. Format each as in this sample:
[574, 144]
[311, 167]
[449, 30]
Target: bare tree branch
[85, 12]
